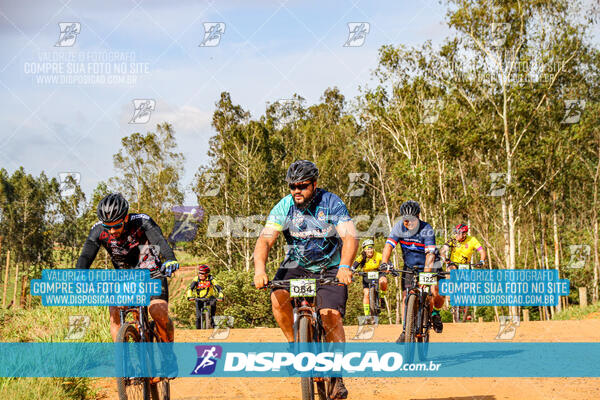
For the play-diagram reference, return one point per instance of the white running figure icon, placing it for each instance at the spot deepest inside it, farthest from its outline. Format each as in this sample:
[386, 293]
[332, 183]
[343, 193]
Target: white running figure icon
[206, 358]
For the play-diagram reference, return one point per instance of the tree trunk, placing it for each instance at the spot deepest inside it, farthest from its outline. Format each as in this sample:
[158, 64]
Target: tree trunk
[23, 290]
[555, 231]
[6, 279]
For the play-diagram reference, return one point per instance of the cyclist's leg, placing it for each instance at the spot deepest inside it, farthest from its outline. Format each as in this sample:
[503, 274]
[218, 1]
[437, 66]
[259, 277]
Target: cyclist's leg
[383, 283]
[159, 311]
[333, 325]
[283, 312]
[213, 310]
[366, 306]
[280, 299]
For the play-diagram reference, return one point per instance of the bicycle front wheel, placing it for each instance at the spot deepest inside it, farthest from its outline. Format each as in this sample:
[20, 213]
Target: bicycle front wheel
[305, 336]
[374, 301]
[132, 388]
[423, 344]
[412, 310]
[208, 321]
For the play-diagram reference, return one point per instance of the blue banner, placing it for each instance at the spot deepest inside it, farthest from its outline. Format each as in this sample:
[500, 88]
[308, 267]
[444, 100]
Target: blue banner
[282, 359]
[95, 287]
[494, 287]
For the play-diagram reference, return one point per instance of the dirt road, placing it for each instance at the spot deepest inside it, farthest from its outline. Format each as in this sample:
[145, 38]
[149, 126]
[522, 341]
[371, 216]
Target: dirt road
[401, 388]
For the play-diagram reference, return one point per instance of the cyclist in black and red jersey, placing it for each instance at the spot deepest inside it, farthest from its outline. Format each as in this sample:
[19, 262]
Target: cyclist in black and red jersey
[132, 241]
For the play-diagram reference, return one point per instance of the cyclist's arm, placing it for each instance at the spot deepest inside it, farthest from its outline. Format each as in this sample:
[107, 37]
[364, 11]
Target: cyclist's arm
[347, 232]
[482, 254]
[265, 241]
[429, 259]
[386, 253]
[155, 237]
[445, 252]
[90, 248]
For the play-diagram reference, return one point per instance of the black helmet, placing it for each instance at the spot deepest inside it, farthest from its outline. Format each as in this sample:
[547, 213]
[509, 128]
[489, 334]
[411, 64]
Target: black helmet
[410, 208]
[112, 208]
[301, 171]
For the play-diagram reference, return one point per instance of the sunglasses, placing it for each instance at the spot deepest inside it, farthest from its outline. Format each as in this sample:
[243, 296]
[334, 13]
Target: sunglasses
[115, 226]
[294, 186]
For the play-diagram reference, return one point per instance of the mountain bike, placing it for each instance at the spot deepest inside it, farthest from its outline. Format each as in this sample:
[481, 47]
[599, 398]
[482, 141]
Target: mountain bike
[203, 316]
[308, 326]
[373, 279]
[461, 313]
[136, 327]
[418, 311]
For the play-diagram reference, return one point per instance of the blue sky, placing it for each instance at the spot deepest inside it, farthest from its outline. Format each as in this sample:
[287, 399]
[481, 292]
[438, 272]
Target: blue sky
[270, 50]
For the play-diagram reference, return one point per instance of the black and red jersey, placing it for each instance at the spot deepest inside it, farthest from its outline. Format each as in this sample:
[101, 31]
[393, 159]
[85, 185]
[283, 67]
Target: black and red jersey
[140, 245]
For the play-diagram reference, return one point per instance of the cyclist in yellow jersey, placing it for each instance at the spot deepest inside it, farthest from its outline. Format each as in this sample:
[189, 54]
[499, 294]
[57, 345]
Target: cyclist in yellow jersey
[460, 248]
[204, 286]
[370, 260]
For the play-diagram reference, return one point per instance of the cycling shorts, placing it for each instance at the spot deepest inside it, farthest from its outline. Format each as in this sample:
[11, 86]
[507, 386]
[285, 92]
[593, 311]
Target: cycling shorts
[165, 291]
[328, 297]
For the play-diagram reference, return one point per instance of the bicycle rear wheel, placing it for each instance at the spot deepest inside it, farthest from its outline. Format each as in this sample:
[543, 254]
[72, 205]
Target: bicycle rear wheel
[374, 301]
[132, 388]
[412, 310]
[305, 336]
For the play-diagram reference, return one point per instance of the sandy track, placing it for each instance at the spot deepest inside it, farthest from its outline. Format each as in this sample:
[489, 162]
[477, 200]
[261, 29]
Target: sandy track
[401, 388]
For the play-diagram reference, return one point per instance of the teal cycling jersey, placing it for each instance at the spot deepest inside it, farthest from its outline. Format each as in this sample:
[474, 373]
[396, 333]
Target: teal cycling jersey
[313, 242]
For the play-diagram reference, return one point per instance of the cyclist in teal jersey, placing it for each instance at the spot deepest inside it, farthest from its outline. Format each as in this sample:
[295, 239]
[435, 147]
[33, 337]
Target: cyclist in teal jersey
[321, 236]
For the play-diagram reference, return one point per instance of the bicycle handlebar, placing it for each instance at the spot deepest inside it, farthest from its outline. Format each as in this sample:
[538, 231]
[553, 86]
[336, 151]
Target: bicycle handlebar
[285, 283]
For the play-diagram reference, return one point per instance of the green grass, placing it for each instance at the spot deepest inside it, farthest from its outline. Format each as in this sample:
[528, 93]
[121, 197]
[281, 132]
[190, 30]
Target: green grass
[50, 324]
[575, 312]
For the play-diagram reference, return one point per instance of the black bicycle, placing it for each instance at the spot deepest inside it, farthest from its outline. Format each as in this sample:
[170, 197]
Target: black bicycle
[136, 327]
[308, 327]
[461, 313]
[417, 313]
[203, 314]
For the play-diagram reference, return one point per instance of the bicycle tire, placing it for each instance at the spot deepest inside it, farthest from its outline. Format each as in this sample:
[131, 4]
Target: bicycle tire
[411, 320]
[373, 301]
[305, 336]
[131, 388]
[207, 318]
[324, 385]
[423, 345]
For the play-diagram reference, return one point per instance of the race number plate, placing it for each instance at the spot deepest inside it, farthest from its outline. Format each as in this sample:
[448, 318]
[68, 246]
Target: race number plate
[427, 278]
[372, 275]
[463, 266]
[303, 287]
